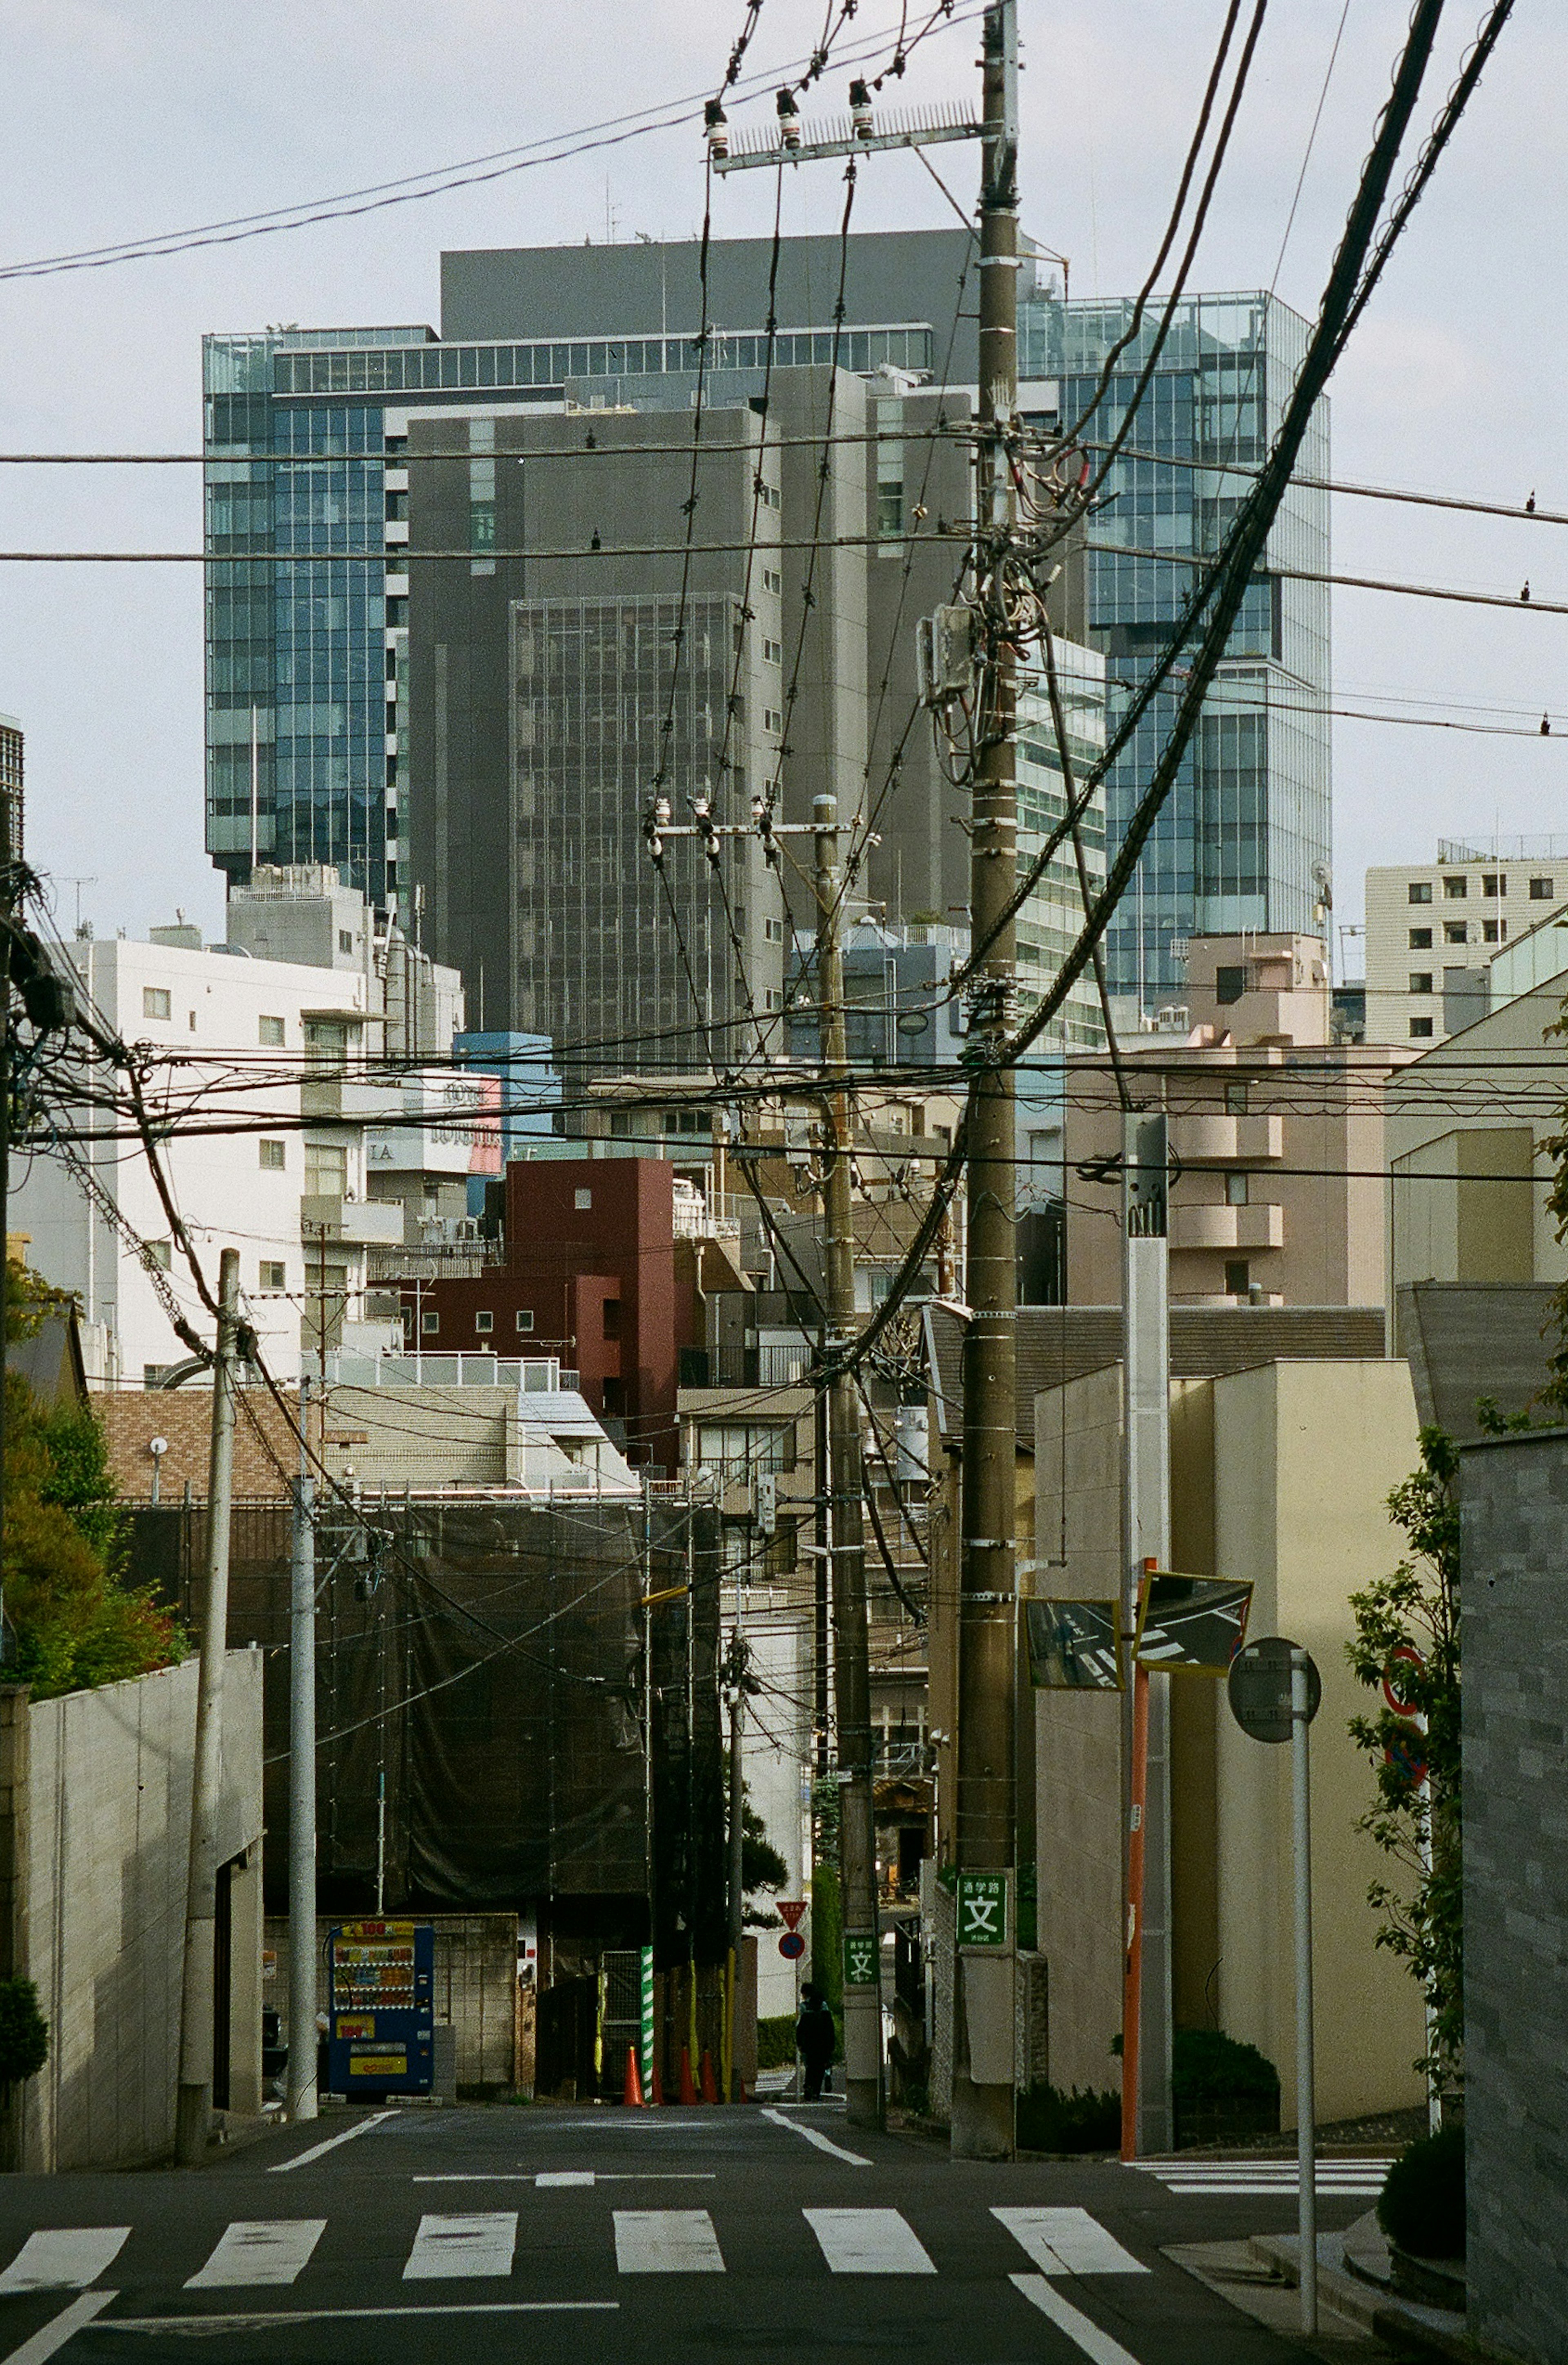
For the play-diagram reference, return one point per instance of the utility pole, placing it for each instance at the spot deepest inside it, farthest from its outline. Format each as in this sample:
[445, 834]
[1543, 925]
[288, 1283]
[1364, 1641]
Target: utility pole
[302, 2094]
[8, 835]
[734, 1692]
[1146, 1497]
[197, 2018]
[851, 1654]
[985, 1817]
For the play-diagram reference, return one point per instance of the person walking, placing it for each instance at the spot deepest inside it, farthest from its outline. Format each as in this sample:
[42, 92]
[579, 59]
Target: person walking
[816, 2039]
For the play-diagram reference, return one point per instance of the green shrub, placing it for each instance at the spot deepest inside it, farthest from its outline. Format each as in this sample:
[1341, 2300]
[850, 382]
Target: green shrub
[776, 2042]
[24, 2031]
[1422, 2205]
[1208, 2067]
[1050, 2120]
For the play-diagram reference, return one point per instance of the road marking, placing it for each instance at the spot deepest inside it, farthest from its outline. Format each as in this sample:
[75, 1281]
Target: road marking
[1067, 2242]
[259, 2250]
[667, 2242]
[822, 2143]
[868, 2242]
[360, 2127]
[53, 2336]
[551, 2177]
[1352, 2180]
[1097, 2346]
[478, 2243]
[255, 2321]
[64, 2258]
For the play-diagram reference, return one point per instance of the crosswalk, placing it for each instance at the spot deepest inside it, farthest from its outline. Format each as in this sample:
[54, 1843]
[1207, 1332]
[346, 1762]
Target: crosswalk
[1336, 2178]
[483, 2245]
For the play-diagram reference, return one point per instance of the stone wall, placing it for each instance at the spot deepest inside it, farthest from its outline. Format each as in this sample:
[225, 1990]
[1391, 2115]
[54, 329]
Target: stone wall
[1515, 1509]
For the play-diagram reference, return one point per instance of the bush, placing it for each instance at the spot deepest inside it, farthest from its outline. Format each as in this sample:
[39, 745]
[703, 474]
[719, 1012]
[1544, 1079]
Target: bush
[1206, 2066]
[1050, 2120]
[1422, 2206]
[776, 2042]
[23, 2032]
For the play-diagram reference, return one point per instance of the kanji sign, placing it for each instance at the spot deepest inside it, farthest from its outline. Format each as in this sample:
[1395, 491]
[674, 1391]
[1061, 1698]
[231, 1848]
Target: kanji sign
[1191, 1625]
[791, 1910]
[982, 1909]
[1075, 1646]
[860, 1958]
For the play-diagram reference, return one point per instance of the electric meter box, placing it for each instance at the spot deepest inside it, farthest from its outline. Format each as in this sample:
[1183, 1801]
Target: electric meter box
[381, 2009]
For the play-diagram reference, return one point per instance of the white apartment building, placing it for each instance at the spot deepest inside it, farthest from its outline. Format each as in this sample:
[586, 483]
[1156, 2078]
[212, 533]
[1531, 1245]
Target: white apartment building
[236, 1039]
[1434, 928]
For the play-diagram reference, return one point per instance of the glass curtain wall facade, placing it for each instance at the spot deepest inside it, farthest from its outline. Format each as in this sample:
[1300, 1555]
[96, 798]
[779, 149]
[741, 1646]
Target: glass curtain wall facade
[1249, 817]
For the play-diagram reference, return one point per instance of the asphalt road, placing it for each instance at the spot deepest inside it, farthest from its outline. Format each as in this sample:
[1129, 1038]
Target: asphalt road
[593, 2237]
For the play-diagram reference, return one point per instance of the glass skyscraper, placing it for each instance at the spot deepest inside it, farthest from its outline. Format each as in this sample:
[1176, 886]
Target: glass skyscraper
[1248, 817]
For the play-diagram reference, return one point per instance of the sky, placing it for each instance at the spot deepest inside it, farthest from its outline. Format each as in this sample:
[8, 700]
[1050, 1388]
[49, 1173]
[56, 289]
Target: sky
[123, 119]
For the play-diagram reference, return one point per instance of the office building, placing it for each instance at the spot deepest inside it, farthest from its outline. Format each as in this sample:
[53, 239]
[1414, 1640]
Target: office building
[1434, 929]
[11, 804]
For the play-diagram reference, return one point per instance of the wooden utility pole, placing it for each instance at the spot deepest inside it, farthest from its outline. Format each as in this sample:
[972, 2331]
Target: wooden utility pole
[986, 1802]
[197, 2015]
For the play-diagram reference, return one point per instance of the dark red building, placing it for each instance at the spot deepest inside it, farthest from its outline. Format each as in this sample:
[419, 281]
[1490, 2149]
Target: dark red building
[589, 1276]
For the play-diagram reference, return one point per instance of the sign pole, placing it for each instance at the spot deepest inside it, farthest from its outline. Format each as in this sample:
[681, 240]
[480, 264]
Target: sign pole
[1132, 1988]
[1306, 2082]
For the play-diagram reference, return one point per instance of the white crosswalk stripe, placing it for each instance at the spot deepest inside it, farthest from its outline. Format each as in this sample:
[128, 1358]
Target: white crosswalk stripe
[1067, 2242]
[259, 2250]
[1355, 2179]
[476, 2242]
[667, 2242]
[868, 2242]
[64, 2258]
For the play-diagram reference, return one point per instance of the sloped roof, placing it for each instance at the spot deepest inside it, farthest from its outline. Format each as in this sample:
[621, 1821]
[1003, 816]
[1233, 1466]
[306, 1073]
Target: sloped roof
[1469, 1340]
[1057, 1343]
[51, 1361]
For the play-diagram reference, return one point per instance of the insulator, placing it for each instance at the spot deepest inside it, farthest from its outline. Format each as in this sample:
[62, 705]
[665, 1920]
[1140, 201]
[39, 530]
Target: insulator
[789, 119]
[716, 126]
[860, 110]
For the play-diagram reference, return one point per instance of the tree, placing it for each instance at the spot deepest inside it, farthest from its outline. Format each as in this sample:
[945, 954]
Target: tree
[762, 1866]
[76, 1623]
[1407, 1633]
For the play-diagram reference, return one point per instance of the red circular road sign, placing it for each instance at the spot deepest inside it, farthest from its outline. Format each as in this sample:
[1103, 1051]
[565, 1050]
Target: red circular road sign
[1395, 1682]
[791, 1946]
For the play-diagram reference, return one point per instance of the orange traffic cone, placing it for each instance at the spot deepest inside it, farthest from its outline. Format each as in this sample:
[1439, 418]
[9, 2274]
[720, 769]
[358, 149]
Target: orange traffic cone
[710, 2083]
[689, 2092]
[658, 2083]
[633, 2097]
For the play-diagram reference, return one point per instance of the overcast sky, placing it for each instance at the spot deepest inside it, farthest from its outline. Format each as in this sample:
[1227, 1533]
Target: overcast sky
[124, 118]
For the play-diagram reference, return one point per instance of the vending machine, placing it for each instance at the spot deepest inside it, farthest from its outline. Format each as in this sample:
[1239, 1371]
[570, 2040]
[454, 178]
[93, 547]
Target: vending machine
[381, 2008]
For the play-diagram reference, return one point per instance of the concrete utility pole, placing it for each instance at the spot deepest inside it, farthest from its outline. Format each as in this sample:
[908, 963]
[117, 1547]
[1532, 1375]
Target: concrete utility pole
[734, 1689]
[197, 2020]
[1146, 1495]
[851, 1651]
[986, 1802]
[302, 2094]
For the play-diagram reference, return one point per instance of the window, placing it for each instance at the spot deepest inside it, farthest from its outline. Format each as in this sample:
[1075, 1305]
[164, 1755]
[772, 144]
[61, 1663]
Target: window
[582, 1199]
[326, 1169]
[1420, 1028]
[155, 1002]
[274, 1274]
[1230, 984]
[613, 1318]
[270, 1031]
[193, 1022]
[345, 940]
[525, 1318]
[484, 1321]
[1456, 886]
[739, 1448]
[327, 1038]
[429, 1323]
[1238, 1277]
[1236, 1190]
[1420, 980]
[1420, 940]
[270, 1157]
[1455, 931]
[1420, 891]
[1236, 1100]
[159, 1253]
[1494, 882]
[1543, 891]
[775, 932]
[1493, 931]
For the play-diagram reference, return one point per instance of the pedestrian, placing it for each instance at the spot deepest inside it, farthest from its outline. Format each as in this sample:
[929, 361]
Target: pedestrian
[816, 2039]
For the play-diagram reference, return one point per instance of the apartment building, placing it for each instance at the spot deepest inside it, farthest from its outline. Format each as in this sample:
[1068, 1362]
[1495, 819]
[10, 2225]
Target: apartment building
[1433, 928]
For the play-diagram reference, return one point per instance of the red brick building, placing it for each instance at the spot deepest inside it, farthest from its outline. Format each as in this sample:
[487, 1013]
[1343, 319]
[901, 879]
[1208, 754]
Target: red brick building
[589, 1276]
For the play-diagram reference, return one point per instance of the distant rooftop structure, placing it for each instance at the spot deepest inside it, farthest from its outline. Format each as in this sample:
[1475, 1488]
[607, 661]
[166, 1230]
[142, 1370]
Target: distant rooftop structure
[1503, 849]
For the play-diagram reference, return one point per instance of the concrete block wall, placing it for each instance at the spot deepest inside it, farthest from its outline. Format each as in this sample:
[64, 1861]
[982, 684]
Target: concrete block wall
[1514, 1511]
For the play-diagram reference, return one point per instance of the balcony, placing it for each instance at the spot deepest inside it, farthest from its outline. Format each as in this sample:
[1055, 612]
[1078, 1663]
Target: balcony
[350, 1223]
[1227, 1140]
[1232, 1229]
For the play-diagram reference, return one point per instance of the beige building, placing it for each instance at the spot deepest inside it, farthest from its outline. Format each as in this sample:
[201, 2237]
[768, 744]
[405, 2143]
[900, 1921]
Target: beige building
[1433, 928]
[1249, 1450]
[1276, 1135]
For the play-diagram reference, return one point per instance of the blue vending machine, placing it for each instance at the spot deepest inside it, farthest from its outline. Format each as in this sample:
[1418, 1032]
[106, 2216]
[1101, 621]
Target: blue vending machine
[381, 2009]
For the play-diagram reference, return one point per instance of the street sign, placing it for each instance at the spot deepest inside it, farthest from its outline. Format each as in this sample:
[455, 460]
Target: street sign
[1075, 1646]
[1260, 1688]
[791, 1946]
[860, 1958]
[1407, 1750]
[1190, 1625]
[982, 1909]
[1403, 1661]
[791, 1910]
